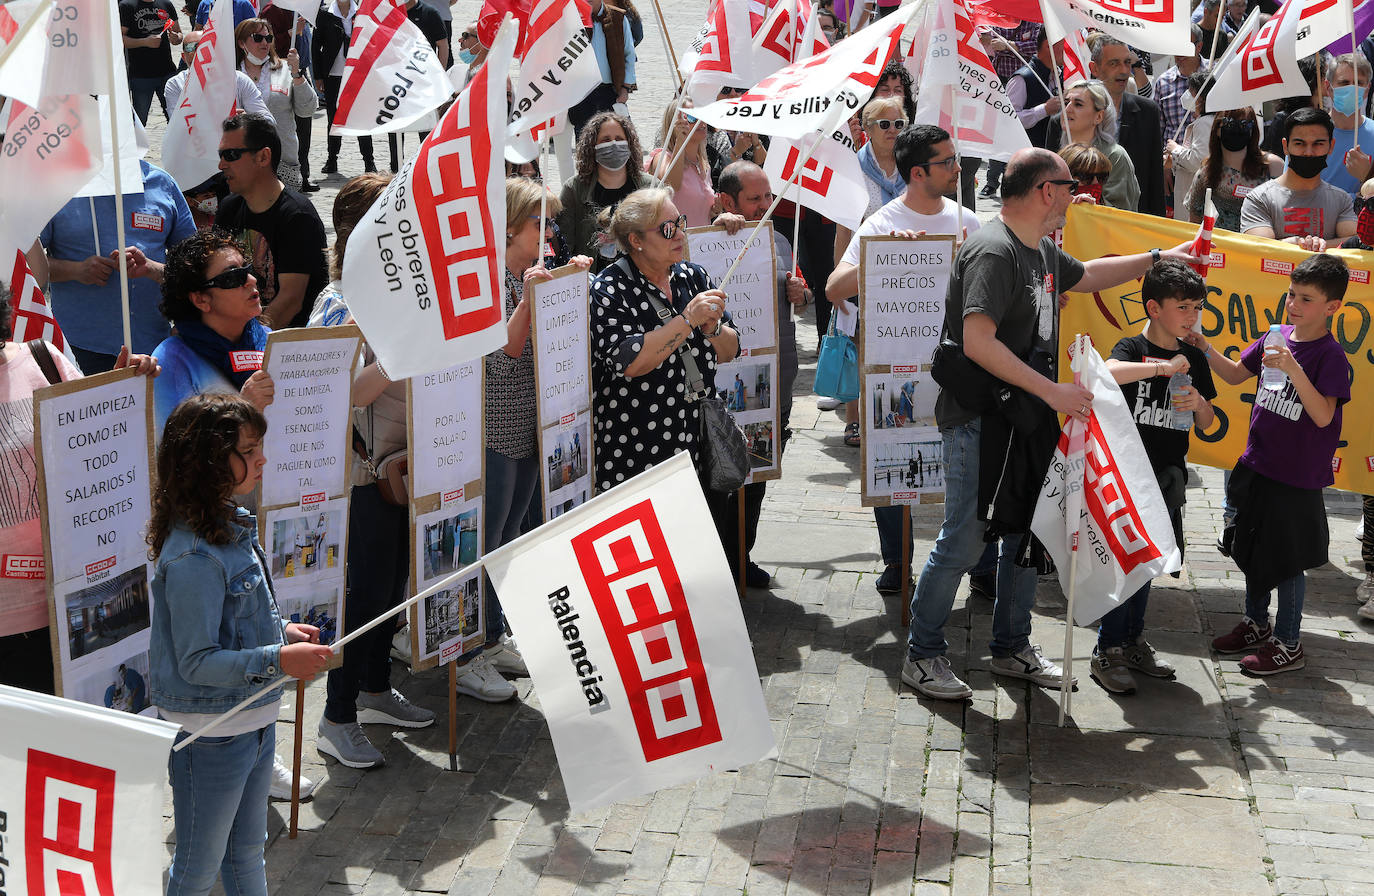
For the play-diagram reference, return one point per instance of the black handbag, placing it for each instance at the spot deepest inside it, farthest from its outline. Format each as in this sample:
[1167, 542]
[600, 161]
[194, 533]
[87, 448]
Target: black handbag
[972, 386]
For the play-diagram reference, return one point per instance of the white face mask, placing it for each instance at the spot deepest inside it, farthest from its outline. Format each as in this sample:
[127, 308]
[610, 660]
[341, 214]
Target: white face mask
[256, 60]
[1187, 101]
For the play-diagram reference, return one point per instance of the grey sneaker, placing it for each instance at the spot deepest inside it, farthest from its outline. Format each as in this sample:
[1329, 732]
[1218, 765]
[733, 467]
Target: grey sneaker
[281, 783]
[1366, 611]
[1365, 592]
[1109, 670]
[1141, 657]
[933, 677]
[1029, 664]
[346, 742]
[391, 708]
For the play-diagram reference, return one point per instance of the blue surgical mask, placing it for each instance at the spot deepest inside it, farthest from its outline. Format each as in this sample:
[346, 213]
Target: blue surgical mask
[1347, 99]
[466, 57]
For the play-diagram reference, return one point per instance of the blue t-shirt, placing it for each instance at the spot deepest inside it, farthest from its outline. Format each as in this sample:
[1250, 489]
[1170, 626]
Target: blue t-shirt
[91, 317]
[1341, 143]
[243, 9]
[1286, 444]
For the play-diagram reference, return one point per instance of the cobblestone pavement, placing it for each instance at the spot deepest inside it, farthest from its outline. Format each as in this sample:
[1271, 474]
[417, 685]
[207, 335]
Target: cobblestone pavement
[1214, 783]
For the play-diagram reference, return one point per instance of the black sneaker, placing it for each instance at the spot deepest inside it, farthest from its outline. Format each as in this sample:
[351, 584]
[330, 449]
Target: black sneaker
[890, 582]
[330, 166]
[308, 187]
[988, 192]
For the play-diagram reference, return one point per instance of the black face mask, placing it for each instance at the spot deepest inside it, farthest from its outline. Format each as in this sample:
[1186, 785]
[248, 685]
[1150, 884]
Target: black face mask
[1235, 136]
[1306, 166]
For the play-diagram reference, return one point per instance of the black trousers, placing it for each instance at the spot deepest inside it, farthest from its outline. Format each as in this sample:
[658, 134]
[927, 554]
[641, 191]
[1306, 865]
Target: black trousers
[331, 106]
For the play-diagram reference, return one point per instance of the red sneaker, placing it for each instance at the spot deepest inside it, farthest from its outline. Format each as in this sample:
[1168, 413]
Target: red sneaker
[1273, 657]
[1244, 638]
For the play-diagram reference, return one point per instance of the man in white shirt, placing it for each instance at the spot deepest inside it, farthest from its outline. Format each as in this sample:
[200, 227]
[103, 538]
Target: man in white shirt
[926, 160]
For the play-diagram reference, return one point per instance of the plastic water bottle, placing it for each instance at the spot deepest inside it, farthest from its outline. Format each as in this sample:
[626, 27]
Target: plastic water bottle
[1272, 378]
[1178, 383]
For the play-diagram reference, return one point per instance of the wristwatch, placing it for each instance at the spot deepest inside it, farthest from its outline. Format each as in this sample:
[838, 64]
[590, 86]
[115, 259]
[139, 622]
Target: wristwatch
[1154, 256]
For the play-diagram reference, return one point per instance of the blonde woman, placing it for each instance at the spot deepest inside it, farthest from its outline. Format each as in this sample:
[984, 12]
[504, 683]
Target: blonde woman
[285, 90]
[690, 174]
[1091, 117]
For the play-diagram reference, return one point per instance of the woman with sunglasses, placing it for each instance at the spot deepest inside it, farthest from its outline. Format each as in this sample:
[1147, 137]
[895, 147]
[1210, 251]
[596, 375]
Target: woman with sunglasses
[1091, 117]
[1090, 167]
[210, 296]
[1235, 165]
[690, 174]
[285, 90]
[649, 310]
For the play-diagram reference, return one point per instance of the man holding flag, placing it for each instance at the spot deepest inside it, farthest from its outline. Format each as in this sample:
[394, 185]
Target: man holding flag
[1001, 311]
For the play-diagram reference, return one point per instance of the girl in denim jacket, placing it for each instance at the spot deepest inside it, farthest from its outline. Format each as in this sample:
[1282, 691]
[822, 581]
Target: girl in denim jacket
[217, 637]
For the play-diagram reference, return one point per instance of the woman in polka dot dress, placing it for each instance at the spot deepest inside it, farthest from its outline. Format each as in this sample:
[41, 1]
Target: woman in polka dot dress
[642, 408]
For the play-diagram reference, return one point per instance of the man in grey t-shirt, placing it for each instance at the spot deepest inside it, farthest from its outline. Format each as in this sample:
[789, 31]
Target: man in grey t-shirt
[1298, 206]
[1003, 297]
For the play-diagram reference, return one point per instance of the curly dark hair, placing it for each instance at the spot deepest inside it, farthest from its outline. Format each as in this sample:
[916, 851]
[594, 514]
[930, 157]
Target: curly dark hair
[195, 475]
[585, 153]
[895, 69]
[185, 269]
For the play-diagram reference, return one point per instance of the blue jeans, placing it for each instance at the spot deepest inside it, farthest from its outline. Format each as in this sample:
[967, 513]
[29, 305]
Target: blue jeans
[1288, 619]
[141, 93]
[957, 550]
[510, 486]
[219, 805]
[1125, 622]
[889, 520]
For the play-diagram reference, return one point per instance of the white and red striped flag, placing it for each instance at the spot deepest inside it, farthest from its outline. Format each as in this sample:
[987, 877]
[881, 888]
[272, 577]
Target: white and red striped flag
[557, 71]
[1076, 56]
[1202, 243]
[392, 76]
[33, 318]
[190, 152]
[1159, 26]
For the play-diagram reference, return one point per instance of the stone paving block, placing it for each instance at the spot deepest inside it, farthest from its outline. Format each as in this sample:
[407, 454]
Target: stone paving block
[1080, 874]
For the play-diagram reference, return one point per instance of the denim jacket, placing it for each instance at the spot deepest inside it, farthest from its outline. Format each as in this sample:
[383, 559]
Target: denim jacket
[216, 634]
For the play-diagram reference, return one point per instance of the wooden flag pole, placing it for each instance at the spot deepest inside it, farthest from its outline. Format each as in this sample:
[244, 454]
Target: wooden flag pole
[906, 565]
[296, 761]
[453, 715]
[667, 42]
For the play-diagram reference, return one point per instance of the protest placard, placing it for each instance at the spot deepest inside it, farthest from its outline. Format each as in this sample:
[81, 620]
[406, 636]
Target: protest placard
[747, 383]
[561, 309]
[94, 457]
[628, 621]
[902, 284]
[81, 796]
[308, 432]
[447, 452]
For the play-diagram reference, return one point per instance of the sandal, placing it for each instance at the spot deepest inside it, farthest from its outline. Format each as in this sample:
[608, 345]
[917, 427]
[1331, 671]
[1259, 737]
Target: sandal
[851, 435]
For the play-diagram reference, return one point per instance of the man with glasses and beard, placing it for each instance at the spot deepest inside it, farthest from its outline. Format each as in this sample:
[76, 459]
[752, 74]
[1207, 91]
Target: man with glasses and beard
[1000, 310]
[280, 231]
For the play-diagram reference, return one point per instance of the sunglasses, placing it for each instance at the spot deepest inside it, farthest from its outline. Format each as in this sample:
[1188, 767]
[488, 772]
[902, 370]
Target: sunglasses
[233, 153]
[887, 123]
[669, 229]
[1071, 184]
[731, 91]
[1093, 177]
[230, 278]
[261, 38]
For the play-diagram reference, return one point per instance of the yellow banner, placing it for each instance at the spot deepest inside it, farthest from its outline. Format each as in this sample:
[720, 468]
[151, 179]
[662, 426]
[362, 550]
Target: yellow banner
[1246, 288]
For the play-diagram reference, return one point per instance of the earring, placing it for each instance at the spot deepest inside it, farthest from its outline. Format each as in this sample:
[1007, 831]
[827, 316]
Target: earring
[509, 235]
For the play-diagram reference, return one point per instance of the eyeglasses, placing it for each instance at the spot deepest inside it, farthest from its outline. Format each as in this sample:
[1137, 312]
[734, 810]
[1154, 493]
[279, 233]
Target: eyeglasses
[1093, 177]
[233, 153]
[189, 47]
[261, 38]
[229, 278]
[669, 229]
[1071, 184]
[886, 123]
[949, 163]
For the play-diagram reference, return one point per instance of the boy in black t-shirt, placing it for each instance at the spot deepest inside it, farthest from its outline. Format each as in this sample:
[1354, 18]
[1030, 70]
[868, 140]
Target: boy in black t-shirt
[1172, 293]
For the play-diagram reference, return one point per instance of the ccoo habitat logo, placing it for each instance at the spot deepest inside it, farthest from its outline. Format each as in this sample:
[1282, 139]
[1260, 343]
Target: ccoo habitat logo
[638, 595]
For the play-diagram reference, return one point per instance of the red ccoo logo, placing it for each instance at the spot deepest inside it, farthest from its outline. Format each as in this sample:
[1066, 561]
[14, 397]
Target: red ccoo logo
[1112, 507]
[638, 595]
[69, 826]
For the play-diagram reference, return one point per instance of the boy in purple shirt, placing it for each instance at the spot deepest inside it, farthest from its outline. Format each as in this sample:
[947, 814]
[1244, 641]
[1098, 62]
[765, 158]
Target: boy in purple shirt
[1276, 487]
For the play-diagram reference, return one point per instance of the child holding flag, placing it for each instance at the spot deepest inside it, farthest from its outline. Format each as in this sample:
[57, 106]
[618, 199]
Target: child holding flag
[1143, 365]
[1280, 525]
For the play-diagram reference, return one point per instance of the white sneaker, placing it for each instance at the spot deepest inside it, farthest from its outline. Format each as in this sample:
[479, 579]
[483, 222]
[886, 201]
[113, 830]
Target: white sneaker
[1028, 663]
[826, 403]
[400, 645]
[1359, 529]
[506, 658]
[933, 677]
[478, 679]
[281, 782]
